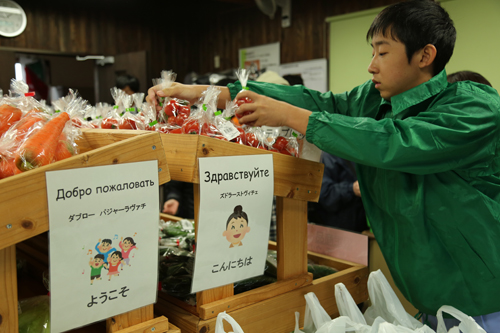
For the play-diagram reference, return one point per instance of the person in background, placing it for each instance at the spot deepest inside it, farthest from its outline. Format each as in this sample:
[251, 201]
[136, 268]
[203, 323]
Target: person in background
[294, 79]
[427, 157]
[339, 204]
[128, 83]
[467, 76]
[178, 199]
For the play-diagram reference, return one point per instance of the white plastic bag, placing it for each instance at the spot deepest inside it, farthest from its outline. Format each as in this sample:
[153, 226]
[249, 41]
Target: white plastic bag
[297, 327]
[315, 315]
[219, 324]
[467, 323]
[346, 305]
[385, 303]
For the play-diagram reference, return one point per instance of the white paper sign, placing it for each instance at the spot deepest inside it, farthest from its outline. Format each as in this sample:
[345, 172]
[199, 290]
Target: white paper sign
[314, 73]
[260, 57]
[103, 241]
[236, 196]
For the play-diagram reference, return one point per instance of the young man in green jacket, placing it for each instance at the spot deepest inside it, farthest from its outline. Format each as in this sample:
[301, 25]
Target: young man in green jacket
[427, 157]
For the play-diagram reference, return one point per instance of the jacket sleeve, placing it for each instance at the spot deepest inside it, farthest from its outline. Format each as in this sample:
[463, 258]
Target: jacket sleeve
[362, 100]
[454, 133]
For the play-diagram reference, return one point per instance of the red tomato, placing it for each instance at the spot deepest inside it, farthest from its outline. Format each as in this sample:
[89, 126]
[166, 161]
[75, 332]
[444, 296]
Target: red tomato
[262, 147]
[280, 143]
[241, 138]
[171, 120]
[186, 110]
[171, 108]
[251, 140]
[163, 129]
[109, 123]
[127, 124]
[176, 131]
[191, 126]
[181, 118]
[76, 122]
[242, 101]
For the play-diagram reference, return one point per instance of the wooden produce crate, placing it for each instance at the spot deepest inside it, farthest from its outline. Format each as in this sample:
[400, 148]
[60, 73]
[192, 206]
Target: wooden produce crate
[271, 307]
[24, 214]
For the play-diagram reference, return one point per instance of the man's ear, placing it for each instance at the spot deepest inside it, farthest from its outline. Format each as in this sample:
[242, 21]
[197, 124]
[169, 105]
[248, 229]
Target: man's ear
[427, 56]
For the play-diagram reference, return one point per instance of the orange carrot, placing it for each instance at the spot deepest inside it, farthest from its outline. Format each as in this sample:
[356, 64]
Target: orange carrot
[64, 148]
[26, 122]
[39, 149]
[8, 168]
[8, 116]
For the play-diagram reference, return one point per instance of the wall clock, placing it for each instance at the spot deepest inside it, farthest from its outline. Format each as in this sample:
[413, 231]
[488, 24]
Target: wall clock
[12, 19]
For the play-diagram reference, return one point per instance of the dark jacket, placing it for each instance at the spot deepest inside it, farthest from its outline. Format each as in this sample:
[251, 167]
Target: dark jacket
[338, 206]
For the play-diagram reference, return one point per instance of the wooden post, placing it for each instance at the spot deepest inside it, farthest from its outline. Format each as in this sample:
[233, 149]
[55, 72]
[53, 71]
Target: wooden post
[129, 319]
[8, 290]
[291, 235]
[215, 294]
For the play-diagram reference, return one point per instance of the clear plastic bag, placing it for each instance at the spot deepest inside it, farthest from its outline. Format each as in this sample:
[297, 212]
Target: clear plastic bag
[34, 315]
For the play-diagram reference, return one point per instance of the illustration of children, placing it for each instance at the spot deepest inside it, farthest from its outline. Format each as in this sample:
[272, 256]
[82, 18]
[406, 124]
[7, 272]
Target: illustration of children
[112, 266]
[104, 248]
[127, 245]
[96, 265]
[236, 227]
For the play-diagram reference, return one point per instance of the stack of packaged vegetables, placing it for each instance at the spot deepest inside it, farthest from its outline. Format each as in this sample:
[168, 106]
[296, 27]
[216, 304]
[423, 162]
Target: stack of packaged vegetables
[32, 134]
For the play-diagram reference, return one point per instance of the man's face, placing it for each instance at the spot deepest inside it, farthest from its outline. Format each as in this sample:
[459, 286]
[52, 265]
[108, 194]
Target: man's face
[105, 246]
[392, 74]
[236, 230]
[98, 262]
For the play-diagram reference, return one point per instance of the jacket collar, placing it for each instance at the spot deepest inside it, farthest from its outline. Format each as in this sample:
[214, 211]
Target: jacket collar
[419, 93]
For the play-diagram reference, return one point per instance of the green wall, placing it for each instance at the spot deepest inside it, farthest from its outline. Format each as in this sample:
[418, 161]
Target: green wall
[477, 47]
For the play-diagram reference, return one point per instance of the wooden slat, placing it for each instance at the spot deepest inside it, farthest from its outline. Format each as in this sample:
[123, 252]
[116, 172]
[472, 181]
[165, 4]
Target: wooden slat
[24, 216]
[129, 319]
[178, 302]
[8, 290]
[232, 303]
[157, 325]
[181, 318]
[291, 235]
[293, 177]
[276, 314]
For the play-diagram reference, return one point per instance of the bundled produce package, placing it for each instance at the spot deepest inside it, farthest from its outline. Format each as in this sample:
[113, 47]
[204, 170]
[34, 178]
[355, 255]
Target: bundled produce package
[34, 315]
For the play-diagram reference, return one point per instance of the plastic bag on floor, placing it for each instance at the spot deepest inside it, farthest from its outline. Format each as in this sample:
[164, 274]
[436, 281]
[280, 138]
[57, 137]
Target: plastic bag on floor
[467, 323]
[219, 324]
[297, 327]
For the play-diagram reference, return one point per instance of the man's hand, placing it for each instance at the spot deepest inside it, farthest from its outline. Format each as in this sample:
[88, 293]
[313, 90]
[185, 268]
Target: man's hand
[270, 112]
[171, 207]
[355, 188]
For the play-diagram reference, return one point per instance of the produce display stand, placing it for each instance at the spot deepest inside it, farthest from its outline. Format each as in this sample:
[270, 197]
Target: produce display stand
[270, 308]
[24, 214]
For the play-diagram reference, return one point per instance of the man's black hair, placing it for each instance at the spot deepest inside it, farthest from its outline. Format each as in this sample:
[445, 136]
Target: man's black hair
[416, 23]
[107, 240]
[237, 213]
[127, 80]
[99, 256]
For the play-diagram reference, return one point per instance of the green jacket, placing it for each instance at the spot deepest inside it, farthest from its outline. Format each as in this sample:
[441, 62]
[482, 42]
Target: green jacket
[428, 164]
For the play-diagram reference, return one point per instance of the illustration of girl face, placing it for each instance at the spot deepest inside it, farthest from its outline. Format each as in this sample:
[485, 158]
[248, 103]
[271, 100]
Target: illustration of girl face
[126, 244]
[114, 258]
[236, 230]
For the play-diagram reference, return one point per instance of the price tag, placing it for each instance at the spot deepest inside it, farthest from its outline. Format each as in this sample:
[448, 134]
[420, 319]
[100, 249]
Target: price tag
[228, 130]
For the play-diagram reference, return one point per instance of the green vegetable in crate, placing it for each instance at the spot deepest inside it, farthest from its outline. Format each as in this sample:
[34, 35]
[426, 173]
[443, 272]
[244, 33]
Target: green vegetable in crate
[319, 271]
[252, 283]
[34, 315]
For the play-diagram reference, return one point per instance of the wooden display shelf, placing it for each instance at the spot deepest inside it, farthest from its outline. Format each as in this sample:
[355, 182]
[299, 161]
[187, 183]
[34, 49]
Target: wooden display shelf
[296, 181]
[24, 209]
